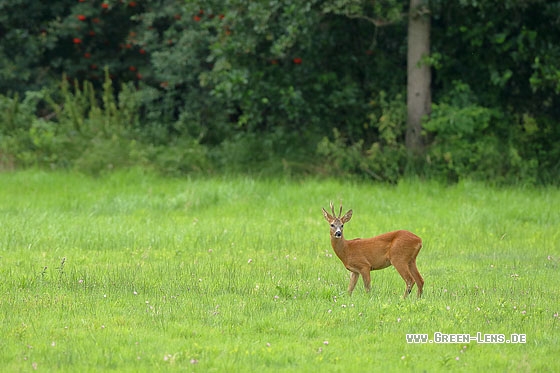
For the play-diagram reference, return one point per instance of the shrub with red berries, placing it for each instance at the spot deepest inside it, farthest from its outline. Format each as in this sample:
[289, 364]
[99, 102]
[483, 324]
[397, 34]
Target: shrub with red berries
[190, 56]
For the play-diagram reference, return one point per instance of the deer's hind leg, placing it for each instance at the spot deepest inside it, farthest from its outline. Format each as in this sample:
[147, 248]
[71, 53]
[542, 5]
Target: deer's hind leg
[404, 271]
[417, 277]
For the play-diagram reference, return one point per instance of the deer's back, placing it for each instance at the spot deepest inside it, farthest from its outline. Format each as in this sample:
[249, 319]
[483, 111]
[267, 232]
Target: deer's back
[377, 251]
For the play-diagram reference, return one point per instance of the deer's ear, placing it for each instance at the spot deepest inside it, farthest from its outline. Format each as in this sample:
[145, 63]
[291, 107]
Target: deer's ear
[346, 216]
[327, 216]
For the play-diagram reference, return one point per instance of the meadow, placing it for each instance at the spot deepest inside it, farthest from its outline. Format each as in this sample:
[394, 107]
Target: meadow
[135, 272]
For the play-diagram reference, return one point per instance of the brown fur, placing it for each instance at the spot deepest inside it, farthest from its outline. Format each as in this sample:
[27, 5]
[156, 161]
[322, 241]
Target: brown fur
[362, 255]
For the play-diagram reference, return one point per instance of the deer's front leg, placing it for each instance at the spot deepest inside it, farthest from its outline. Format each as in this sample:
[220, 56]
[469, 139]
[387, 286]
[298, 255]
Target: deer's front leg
[367, 279]
[353, 280]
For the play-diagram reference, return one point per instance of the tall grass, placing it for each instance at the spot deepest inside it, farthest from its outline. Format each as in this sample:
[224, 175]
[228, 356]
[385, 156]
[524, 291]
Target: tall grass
[132, 272]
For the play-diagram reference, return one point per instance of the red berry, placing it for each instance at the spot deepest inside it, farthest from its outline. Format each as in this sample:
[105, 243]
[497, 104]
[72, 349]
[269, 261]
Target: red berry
[196, 18]
[132, 4]
[77, 41]
[81, 17]
[87, 55]
[142, 51]
[132, 68]
[105, 6]
[297, 61]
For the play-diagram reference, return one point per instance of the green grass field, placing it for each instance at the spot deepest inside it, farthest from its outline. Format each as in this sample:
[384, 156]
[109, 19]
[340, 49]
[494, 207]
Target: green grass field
[132, 272]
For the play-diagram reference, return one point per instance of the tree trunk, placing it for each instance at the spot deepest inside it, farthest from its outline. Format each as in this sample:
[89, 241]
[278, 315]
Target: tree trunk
[419, 99]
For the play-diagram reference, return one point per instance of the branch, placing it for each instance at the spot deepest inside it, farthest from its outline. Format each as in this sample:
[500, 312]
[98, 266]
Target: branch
[378, 22]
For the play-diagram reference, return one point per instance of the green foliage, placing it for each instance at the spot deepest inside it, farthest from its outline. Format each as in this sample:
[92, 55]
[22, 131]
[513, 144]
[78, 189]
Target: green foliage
[340, 159]
[273, 70]
[176, 38]
[508, 51]
[385, 159]
[378, 12]
[19, 127]
[89, 134]
[480, 143]
[504, 52]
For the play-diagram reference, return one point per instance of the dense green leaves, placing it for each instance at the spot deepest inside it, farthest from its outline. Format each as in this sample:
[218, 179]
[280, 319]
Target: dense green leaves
[283, 85]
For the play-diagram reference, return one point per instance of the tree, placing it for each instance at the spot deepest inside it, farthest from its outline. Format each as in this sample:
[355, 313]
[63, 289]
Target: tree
[418, 73]
[281, 78]
[418, 51]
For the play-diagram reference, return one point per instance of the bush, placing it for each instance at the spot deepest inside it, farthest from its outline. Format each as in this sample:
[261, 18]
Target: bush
[89, 134]
[21, 131]
[470, 141]
[385, 159]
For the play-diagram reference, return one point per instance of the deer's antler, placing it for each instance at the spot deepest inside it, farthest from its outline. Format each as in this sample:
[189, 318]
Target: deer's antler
[334, 213]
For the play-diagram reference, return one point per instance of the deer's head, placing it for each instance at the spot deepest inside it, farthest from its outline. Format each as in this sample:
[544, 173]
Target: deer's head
[337, 222]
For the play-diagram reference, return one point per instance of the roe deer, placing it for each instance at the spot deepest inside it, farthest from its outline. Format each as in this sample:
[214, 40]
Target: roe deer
[362, 255]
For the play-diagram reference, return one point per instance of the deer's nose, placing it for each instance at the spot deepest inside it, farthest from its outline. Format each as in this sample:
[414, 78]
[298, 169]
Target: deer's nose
[338, 233]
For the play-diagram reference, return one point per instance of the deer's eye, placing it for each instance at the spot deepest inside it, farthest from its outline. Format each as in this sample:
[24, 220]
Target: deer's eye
[342, 226]
[332, 225]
